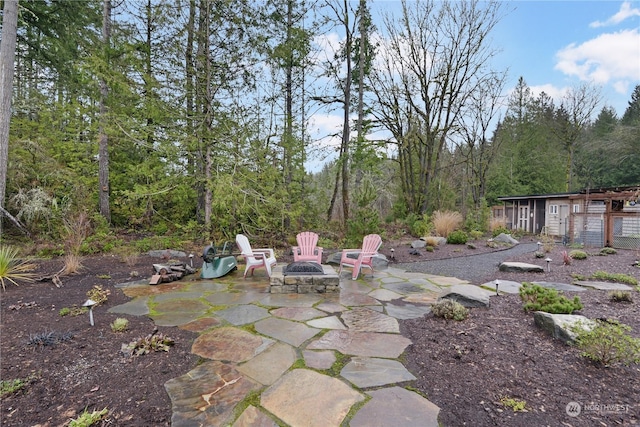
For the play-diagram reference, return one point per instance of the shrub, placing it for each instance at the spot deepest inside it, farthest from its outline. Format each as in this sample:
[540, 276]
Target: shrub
[98, 294]
[615, 277]
[432, 241]
[497, 223]
[72, 264]
[13, 269]
[537, 298]
[421, 227]
[538, 254]
[144, 345]
[445, 222]
[515, 404]
[8, 387]
[476, 234]
[500, 230]
[120, 325]
[64, 311]
[620, 296]
[578, 254]
[608, 343]
[457, 237]
[429, 248]
[449, 309]
[608, 251]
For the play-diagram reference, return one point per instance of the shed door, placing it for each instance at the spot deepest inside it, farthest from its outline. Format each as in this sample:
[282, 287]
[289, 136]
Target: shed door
[523, 218]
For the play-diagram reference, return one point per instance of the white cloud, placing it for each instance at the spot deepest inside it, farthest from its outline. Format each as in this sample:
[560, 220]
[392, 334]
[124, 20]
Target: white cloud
[554, 92]
[624, 13]
[609, 58]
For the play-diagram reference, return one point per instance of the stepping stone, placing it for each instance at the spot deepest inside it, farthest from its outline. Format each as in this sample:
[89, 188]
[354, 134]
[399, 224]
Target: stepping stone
[233, 298]
[306, 398]
[362, 319]
[468, 295]
[269, 365]
[290, 300]
[371, 372]
[447, 281]
[407, 311]
[299, 314]
[201, 324]
[560, 286]
[293, 333]
[520, 267]
[331, 307]
[319, 359]
[243, 314]
[331, 322]
[506, 286]
[604, 286]
[178, 311]
[136, 307]
[352, 299]
[404, 288]
[370, 344]
[253, 417]
[505, 238]
[229, 344]
[396, 406]
[384, 295]
[207, 395]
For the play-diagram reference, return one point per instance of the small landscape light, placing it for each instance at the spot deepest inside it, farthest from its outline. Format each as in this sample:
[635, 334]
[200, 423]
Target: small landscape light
[90, 303]
[548, 265]
[497, 284]
[191, 259]
[393, 253]
[539, 244]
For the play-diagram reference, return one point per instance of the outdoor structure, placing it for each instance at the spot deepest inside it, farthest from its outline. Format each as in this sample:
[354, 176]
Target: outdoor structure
[593, 217]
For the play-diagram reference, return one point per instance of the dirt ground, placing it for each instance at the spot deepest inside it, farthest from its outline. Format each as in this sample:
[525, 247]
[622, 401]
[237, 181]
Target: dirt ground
[465, 368]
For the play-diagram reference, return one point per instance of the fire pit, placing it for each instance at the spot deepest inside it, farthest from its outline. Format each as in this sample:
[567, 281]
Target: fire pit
[303, 277]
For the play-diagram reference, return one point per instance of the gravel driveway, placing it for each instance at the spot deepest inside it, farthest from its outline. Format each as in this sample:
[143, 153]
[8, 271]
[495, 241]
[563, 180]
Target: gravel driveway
[471, 268]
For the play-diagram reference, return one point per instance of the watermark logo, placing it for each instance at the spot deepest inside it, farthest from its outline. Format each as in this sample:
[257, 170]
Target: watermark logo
[573, 409]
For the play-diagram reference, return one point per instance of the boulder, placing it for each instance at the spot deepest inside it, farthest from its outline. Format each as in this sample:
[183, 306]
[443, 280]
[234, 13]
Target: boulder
[418, 244]
[470, 296]
[505, 238]
[520, 267]
[561, 326]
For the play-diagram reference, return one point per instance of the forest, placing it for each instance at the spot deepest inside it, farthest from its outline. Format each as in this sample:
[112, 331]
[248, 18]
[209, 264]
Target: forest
[196, 117]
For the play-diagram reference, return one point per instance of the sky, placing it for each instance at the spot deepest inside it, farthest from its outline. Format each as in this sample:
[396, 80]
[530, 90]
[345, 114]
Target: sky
[553, 45]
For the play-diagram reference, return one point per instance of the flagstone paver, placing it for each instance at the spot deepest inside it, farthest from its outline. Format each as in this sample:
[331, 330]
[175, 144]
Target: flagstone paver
[269, 365]
[407, 311]
[243, 314]
[604, 286]
[370, 344]
[293, 333]
[322, 359]
[330, 322]
[201, 324]
[297, 313]
[385, 295]
[207, 395]
[233, 298]
[506, 286]
[290, 300]
[397, 407]
[230, 344]
[331, 307]
[351, 299]
[362, 319]
[307, 398]
[560, 286]
[253, 417]
[371, 372]
[178, 311]
[138, 306]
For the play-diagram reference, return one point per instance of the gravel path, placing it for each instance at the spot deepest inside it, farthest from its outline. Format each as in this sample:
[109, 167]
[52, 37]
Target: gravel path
[473, 268]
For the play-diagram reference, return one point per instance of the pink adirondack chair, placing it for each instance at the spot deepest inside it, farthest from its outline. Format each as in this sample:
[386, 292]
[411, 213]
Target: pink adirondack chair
[307, 249]
[358, 258]
[255, 258]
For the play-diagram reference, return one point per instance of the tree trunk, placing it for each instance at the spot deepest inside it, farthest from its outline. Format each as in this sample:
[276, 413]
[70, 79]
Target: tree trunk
[103, 139]
[7, 57]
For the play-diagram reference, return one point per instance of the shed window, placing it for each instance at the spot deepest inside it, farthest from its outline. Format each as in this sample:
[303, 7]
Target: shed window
[553, 209]
[576, 208]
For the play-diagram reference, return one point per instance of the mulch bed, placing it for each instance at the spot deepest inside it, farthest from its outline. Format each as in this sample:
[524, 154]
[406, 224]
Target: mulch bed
[465, 368]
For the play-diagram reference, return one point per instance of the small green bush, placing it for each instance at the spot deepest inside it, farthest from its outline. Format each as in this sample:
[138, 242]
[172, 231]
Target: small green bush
[429, 248]
[608, 251]
[578, 254]
[476, 234]
[515, 404]
[457, 237]
[87, 418]
[147, 344]
[120, 325]
[537, 298]
[608, 343]
[449, 309]
[64, 311]
[8, 387]
[499, 230]
[538, 254]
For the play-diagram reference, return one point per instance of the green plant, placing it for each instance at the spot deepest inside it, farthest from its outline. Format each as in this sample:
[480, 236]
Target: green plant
[98, 294]
[608, 251]
[432, 241]
[457, 237]
[87, 418]
[608, 343]
[537, 298]
[476, 234]
[12, 268]
[620, 296]
[144, 345]
[64, 311]
[615, 277]
[104, 276]
[421, 226]
[538, 254]
[8, 387]
[120, 325]
[429, 248]
[45, 339]
[449, 309]
[515, 404]
[500, 229]
[444, 222]
[577, 254]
